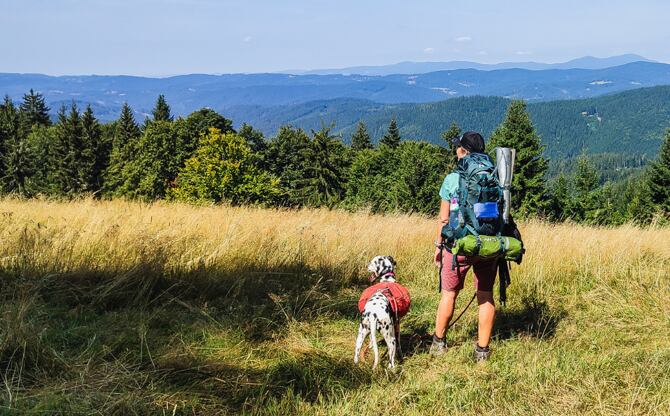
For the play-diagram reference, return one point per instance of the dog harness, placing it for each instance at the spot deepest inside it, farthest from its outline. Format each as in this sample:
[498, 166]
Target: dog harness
[397, 295]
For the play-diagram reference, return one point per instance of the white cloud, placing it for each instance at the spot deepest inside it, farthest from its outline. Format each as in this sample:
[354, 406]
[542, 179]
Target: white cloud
[429, 50]
[520, 53]
[483, 53]
[247, 39]
[463, 39]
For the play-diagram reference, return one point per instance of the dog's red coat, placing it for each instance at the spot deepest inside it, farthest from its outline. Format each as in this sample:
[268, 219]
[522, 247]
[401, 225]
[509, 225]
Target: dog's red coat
[397, 295]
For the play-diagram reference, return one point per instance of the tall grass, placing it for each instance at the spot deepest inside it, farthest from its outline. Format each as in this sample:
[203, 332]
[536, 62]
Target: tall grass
[127, 308]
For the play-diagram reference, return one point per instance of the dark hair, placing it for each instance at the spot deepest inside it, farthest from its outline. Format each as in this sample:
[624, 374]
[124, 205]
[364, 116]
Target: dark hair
[471, 141]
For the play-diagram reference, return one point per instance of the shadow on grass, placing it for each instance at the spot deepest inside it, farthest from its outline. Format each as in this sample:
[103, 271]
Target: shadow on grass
[535, 318]
[311, 376]
[123, 325]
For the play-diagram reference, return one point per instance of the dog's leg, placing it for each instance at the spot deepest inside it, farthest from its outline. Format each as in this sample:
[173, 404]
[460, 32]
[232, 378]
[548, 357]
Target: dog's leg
[396, 327]
[373, 339]
[362, 333]
[389, 336]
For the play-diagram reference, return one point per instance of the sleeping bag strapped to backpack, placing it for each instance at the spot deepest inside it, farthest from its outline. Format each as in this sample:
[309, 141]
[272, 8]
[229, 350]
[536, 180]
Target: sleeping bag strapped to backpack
[397, 295]
[488, 246]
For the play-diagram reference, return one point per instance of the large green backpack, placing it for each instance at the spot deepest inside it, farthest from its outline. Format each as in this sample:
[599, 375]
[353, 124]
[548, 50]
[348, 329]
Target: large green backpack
[480, 199]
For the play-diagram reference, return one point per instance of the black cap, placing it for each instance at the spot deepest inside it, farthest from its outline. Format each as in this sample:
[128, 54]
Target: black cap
[471, 141]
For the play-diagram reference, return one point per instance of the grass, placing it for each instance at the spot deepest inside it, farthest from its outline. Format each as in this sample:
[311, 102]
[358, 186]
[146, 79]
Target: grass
[120, 308]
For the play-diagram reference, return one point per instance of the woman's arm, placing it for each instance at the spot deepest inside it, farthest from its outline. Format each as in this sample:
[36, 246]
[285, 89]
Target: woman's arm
[443, 218]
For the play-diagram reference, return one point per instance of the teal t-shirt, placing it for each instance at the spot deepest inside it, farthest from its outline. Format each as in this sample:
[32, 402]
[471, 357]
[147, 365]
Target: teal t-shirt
[449, 192]
[449, 189]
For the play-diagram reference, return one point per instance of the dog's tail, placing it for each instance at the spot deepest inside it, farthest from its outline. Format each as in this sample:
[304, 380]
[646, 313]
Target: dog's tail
[373, 339]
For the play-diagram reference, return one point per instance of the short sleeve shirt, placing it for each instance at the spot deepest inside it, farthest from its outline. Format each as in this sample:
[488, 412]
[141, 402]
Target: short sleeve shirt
[449, 189]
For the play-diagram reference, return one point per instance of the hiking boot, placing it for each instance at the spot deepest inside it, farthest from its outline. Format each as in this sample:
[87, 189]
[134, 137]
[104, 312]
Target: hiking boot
[438, 347]
[482, 354]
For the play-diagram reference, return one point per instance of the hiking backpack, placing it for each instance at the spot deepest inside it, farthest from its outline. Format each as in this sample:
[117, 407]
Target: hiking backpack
[480, 199]
[480, 206]
[397, 295]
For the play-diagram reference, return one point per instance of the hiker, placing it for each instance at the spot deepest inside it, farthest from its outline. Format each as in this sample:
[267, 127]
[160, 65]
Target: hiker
[451, 279]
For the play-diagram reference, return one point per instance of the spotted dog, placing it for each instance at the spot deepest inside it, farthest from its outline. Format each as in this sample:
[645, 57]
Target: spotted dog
[378, 313]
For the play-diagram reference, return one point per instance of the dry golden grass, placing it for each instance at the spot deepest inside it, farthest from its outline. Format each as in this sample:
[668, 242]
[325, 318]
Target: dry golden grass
[128, 307]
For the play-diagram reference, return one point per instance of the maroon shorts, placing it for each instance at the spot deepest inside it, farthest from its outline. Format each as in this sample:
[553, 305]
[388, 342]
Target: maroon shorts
[485, 272]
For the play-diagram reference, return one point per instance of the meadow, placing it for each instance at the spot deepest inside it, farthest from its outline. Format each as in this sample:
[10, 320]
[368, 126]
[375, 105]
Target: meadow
[120, 308]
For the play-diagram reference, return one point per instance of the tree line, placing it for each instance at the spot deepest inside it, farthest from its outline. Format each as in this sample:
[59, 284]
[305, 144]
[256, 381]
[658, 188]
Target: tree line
[201, 158]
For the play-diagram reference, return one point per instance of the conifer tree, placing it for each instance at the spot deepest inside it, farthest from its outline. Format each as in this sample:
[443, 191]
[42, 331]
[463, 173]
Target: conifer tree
[287, 157]
[658, 177]
[254, 138]
[452, 132]
[323, 176]
[126, 133]
[360, 140]
[154, 164]
[528, 183]
[16, 161]
[161, 111]
[392, 137]
[35, 110]
[69, 169]
[560, 198]
[95, 150]
[586, 200]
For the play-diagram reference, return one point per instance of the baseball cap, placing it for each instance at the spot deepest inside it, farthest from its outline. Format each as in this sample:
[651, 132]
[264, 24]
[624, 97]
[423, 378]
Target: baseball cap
[471, 141]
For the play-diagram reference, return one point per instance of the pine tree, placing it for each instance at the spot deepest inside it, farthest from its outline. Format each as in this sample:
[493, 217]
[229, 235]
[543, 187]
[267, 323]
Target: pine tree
[658, 177]
[322, 181]
[254, 138]
[35, 109]
[70, 163]
[16, 161]
[452, 132]
[560, 198]
[392, 137]
[154, 163]
[126, 133]
[288, 157]
[61, 168]
[528, 182]
[586, 200]
[95, 150]
[161, 111]
[360, 140]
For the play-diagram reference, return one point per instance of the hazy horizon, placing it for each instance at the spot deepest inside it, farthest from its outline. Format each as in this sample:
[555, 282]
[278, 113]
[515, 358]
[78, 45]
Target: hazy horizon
[288, 70]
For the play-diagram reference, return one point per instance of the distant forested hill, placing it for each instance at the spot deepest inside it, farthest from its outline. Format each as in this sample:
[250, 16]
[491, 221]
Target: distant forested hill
[630, 122]
[188, 93]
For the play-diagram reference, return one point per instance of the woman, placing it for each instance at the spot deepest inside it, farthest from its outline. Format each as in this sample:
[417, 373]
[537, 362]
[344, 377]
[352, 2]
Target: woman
[452, 280]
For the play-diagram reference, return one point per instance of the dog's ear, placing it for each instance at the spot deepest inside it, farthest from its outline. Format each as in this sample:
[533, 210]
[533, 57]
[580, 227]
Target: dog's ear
[392, 260]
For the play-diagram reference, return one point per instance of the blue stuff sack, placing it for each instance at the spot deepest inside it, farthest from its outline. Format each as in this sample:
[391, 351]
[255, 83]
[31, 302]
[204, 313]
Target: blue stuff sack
[486, 210]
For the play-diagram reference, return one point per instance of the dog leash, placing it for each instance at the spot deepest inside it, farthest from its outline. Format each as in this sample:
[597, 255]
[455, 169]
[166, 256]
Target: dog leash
[461, 314]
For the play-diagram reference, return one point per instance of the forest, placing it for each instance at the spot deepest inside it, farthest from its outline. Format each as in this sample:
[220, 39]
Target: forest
[203, 159]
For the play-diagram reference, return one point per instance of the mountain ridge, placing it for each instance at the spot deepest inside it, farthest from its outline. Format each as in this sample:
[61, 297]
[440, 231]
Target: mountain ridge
[418, 67]
[187, 93]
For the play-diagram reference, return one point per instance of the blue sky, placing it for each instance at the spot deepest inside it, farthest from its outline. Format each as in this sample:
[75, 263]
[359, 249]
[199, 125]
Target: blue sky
[167, 37]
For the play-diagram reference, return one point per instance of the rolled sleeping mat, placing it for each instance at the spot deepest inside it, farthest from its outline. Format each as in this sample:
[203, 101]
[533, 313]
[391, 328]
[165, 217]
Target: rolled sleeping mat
[505, 166]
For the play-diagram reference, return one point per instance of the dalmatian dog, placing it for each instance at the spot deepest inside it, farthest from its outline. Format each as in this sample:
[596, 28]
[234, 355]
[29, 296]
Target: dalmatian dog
[378, 315]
